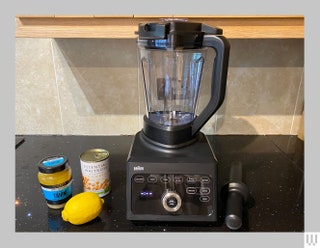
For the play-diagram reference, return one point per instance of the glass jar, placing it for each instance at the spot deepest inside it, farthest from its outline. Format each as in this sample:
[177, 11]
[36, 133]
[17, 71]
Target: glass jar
[55, 178]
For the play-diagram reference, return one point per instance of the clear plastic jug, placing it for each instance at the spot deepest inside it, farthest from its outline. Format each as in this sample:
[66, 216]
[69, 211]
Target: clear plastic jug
[172, 55]
[171, 83]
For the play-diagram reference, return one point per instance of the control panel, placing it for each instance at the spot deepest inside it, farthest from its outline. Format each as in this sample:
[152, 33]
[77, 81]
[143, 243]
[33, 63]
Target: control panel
[172, 194]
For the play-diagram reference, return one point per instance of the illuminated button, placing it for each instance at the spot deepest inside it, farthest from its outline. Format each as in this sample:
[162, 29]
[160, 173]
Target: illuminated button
[146, 194]
[204, 198]
[138, 179]
[191, 190]
[204, 191]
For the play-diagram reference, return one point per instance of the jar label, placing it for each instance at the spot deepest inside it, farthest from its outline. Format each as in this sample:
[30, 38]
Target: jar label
[57, 194]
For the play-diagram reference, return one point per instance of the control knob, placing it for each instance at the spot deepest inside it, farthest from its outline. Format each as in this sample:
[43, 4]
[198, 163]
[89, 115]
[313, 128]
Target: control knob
[171, 201]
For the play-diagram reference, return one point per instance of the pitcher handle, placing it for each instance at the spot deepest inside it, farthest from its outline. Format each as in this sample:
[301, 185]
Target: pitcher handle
[218, 81]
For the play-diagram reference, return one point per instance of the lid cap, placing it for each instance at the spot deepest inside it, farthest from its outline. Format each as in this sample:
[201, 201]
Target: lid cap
[174, 33]
[52, 164]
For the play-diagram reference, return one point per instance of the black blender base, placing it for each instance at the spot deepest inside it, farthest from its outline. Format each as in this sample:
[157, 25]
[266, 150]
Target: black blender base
[171, 184]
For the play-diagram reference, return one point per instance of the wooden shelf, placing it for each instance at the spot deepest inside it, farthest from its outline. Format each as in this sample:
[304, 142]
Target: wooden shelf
[93, 26]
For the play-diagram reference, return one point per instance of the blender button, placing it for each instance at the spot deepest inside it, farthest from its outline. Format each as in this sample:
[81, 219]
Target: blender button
[138, 179]
[204, 198]
[178, 179]
[164, 179]
[204, 191]
[205, 179]
[191, 190]
[152, 179]
[191, 179]
[172, 202]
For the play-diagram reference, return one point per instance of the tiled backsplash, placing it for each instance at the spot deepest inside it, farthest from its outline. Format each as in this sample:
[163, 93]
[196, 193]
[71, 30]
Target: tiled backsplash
[93, 87]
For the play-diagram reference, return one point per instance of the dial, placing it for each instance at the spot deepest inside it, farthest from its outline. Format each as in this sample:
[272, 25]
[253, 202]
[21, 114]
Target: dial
[171, 201]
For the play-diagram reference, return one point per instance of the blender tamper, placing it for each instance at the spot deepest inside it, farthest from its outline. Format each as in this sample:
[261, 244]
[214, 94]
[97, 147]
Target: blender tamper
[237, 197]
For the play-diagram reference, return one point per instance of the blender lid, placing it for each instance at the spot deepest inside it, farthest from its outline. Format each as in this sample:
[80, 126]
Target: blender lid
[174, 33]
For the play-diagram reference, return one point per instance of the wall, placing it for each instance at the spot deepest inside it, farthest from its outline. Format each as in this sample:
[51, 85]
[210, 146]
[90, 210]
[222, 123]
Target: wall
[93, 87]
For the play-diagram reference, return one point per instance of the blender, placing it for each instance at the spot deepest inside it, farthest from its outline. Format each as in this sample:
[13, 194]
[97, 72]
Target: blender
[171, 169]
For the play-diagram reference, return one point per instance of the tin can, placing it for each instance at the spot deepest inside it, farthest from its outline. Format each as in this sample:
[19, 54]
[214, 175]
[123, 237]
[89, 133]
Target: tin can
[55, 178]
[95, 171]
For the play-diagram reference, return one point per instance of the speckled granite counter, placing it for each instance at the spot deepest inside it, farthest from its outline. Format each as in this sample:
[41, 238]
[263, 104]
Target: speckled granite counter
[273, 169]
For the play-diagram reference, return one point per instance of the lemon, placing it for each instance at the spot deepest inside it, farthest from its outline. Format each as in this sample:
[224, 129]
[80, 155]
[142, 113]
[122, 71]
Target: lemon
[82, 208]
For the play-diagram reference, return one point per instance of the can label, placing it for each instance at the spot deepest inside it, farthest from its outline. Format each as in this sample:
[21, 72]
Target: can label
[95, 174]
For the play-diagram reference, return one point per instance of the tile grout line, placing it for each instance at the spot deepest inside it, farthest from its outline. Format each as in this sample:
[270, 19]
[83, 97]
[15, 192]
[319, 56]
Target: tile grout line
[57, 86]
[215, 124]
[296, 103]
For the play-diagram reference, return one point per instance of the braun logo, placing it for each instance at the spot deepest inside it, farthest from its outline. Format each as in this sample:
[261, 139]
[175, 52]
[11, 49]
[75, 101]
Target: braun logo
[138, 168]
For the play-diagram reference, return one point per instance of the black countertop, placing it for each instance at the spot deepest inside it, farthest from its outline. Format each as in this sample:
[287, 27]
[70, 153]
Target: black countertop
[273, 169]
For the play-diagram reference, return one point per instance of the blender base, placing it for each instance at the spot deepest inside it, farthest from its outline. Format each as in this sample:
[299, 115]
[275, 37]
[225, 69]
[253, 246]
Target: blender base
[165, 184]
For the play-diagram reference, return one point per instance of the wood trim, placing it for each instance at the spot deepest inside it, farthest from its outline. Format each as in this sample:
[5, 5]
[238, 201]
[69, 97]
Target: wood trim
[236, 27]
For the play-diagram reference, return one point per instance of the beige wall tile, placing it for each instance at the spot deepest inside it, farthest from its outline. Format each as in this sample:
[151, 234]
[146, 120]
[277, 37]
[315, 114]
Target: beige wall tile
[265, 86]
[93, 86]
[98, 89]
[37, 108]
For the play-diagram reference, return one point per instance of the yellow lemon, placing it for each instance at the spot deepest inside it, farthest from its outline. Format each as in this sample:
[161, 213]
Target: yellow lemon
[82, 208]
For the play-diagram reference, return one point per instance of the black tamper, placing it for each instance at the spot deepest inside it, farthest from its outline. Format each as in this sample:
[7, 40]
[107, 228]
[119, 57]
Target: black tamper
[237, 197]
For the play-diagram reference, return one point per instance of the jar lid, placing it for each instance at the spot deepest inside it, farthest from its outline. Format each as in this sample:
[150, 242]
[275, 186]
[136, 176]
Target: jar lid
[52, 164]
[174, 33]
[94, 155]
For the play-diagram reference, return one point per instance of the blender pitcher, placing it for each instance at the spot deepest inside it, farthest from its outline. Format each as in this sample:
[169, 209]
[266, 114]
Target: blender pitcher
[172, 55]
